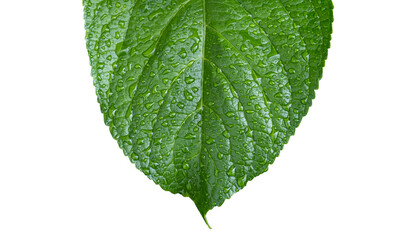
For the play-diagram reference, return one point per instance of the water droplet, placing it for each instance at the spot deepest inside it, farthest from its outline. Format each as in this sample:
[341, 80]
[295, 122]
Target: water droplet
[155, 89]
[158, 141]
[132, 90]
[226, 134]
[149, 52]
[190, 136]
[262, 64]
[189, 80]
[294, 60]
[140, 141]
[188, 95]
[119, 88]
[172, 115]
[194, 48]
[186, 166]
[183, 53]
[122, 24]
[148, 105]
[185, 150]
[241, 181]
[291, 36]
[231, 171]
[210, 141]
[100, 65]
[181, 105]
[134, 157]
[230, 114]
[305, 56]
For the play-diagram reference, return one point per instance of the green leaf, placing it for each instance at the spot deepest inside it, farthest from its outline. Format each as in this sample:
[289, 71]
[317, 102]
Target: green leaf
[202, 95]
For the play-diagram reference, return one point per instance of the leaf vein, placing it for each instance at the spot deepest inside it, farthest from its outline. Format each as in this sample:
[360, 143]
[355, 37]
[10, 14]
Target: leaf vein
[266, 101]
[233, 89]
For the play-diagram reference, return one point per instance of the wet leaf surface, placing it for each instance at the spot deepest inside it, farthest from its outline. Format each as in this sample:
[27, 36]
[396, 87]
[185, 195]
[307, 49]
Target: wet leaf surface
[202, 95]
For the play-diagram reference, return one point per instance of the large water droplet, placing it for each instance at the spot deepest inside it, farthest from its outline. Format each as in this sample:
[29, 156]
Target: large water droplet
[140, 141]
[241, 181]
[226, 134]
[148, 105]
[183, 53]
[194, 48]
[231, 171]
[190, 136]
[188, 95]
[134, 157]
[189, 80]
[186, 166]
[243, 48]
[210, 141]
[181, 105]
[230, 114]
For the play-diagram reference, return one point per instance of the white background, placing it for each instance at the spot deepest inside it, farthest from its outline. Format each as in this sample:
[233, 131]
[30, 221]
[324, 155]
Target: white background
[350, 172]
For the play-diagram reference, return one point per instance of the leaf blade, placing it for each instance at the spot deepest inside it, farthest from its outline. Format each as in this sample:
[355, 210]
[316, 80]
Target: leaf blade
[202, 95]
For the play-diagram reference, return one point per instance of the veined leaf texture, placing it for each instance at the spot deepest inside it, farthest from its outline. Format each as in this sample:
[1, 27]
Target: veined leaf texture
[202, 95]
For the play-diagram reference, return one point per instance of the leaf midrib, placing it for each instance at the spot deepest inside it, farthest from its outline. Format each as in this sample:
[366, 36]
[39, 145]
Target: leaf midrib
[203, 214]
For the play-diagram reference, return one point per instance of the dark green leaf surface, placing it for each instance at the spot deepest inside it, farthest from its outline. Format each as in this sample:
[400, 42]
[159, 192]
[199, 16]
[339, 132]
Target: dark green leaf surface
[202, 95]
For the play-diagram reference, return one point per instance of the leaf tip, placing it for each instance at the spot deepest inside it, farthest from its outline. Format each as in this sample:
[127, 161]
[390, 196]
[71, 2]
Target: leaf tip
[205, 220]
